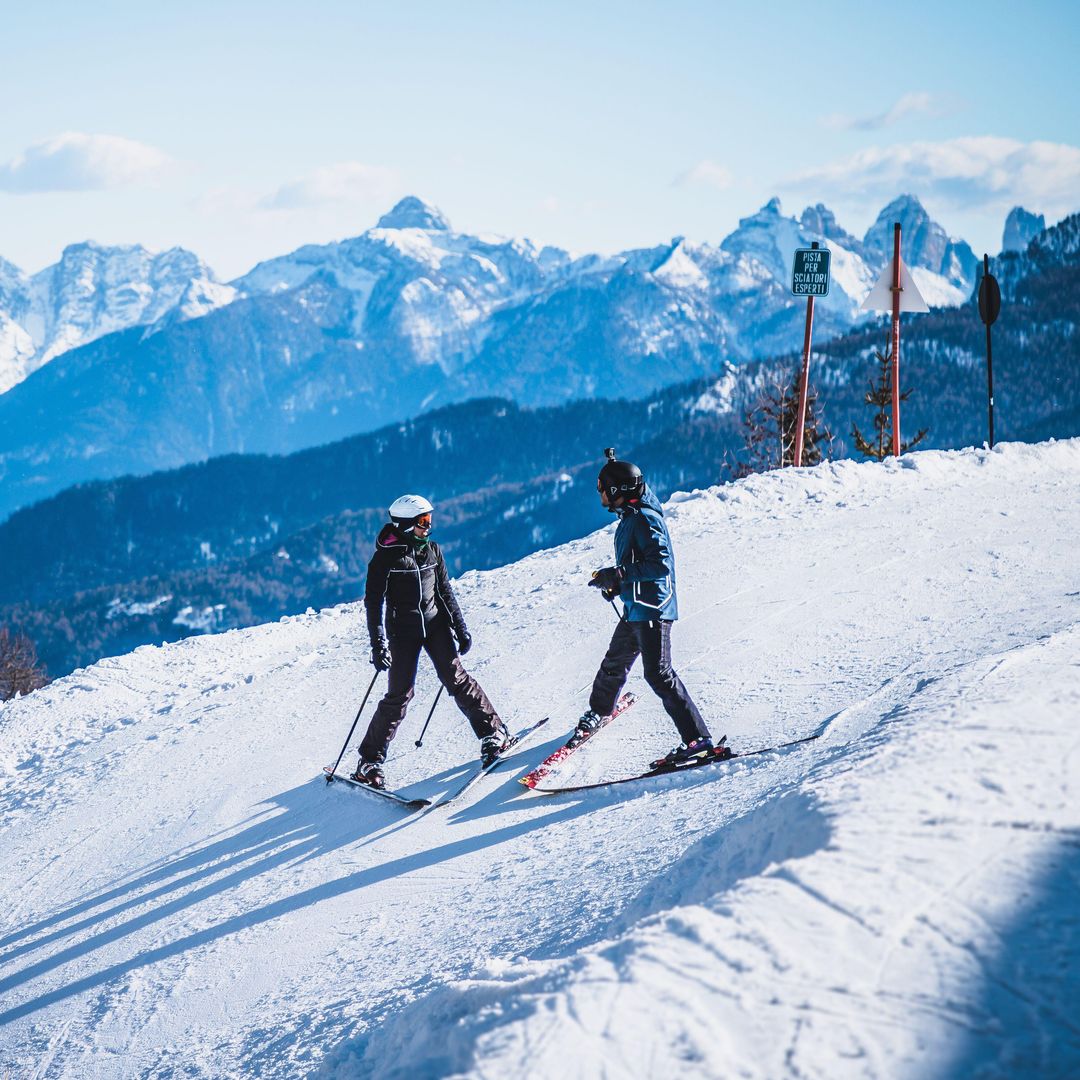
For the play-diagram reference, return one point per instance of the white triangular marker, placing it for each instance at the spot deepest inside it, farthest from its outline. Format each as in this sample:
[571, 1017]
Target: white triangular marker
[880, 298]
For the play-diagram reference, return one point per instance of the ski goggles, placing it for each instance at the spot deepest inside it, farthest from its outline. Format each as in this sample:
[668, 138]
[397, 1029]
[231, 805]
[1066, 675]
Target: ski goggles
[422, 523]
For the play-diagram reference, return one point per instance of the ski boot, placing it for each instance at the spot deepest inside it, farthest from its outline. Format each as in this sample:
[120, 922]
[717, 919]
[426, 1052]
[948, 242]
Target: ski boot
[491, 746]
[370, 773]
[684, 753]
[590, 723]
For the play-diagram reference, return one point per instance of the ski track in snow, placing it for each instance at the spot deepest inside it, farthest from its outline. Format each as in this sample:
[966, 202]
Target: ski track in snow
[184, 896]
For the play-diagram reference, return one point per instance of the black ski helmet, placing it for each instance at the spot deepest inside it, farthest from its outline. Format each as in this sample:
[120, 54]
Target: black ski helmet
[620, 479]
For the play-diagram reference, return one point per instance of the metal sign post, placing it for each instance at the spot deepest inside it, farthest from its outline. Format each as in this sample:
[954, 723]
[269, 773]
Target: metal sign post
[895, 291]
[989, 309]
[809, 278]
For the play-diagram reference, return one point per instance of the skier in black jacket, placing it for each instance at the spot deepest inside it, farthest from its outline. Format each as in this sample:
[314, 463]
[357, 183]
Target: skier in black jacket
[407, 573]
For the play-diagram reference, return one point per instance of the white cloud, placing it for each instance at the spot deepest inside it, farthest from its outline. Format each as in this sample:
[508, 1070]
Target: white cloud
[75, 161]
[709, 173]
[974, 172]
[914, 102]
[349, 181]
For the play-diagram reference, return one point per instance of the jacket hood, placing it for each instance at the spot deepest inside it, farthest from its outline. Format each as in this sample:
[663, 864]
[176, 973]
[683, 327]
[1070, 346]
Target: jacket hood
[390, 536]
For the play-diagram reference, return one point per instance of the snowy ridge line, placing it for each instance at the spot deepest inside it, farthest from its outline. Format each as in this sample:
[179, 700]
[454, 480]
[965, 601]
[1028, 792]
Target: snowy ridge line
[931, 470]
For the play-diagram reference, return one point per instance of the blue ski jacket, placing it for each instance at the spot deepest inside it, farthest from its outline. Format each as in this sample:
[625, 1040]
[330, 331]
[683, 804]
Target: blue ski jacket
[643, 552]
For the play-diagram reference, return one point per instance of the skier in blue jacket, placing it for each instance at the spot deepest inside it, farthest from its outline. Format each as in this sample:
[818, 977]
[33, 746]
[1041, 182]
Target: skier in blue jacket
[643, 577]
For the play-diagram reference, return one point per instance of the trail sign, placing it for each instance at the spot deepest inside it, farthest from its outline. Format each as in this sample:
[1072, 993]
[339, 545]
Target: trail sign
[810, 273]
[989, 309]
[809, 278]
[880, 297]
[989, 296]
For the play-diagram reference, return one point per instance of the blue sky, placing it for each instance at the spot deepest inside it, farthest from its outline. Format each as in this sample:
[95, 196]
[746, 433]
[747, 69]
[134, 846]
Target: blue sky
[242, 130]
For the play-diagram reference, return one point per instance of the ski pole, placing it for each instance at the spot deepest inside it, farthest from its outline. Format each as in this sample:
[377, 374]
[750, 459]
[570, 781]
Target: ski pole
[431, 713]
[330, 775]
[621, 617]
[610, 598]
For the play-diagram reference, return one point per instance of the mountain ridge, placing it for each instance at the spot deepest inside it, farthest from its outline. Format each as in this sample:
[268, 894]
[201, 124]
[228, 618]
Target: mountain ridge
[342, 338]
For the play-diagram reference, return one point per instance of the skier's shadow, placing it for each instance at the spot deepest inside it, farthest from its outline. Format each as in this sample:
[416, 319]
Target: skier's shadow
[307, 829]
[508, 794]
[264, 842]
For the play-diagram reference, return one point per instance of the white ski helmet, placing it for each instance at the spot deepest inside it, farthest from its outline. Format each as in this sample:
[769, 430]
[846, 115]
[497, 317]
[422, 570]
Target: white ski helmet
[405, 509]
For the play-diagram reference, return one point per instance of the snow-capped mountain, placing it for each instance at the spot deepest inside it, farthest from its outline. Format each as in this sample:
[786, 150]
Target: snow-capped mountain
[181, 894]
[341, 338]
[769, 239]
[504, 314]
[414, 280]
[93, 291]
[943, 267]
[461, 301]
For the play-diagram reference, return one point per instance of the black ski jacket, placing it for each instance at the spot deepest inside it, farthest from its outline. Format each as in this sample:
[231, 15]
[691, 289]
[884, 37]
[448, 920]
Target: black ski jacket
[413, 584]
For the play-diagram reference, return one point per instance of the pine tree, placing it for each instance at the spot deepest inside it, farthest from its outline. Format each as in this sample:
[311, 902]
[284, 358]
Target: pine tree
[770, 430]
[880, 396]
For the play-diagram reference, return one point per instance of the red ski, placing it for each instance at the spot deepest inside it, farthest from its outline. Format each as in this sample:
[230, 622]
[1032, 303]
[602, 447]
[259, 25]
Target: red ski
[721, 753]
[576, 740]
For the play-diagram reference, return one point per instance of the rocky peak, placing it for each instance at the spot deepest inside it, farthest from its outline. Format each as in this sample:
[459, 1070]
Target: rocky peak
[917, 229]
[1021, 227]
[821, 221]
[13, 285]
[767, 236]
[414, 213]
[924, 242]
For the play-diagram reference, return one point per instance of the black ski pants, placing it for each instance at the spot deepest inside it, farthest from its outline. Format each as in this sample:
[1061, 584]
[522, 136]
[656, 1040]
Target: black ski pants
[438, 642]
[652, 642]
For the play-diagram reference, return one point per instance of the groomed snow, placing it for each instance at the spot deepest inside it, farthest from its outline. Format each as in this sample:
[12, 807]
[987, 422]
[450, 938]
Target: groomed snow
[181, 894]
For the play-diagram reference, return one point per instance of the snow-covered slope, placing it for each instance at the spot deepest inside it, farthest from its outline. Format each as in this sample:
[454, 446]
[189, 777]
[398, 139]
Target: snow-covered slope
[182, 895]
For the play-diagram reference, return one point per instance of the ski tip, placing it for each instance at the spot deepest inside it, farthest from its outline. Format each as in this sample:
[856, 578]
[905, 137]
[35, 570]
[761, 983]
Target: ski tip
[527, 781]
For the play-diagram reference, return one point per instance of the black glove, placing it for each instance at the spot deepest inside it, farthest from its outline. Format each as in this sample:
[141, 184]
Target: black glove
[608, 581]
[380, 655]
[464, 639]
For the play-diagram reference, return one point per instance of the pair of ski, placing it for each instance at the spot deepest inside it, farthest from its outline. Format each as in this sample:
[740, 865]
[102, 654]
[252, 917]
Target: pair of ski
[474, 777]
[720, 752]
